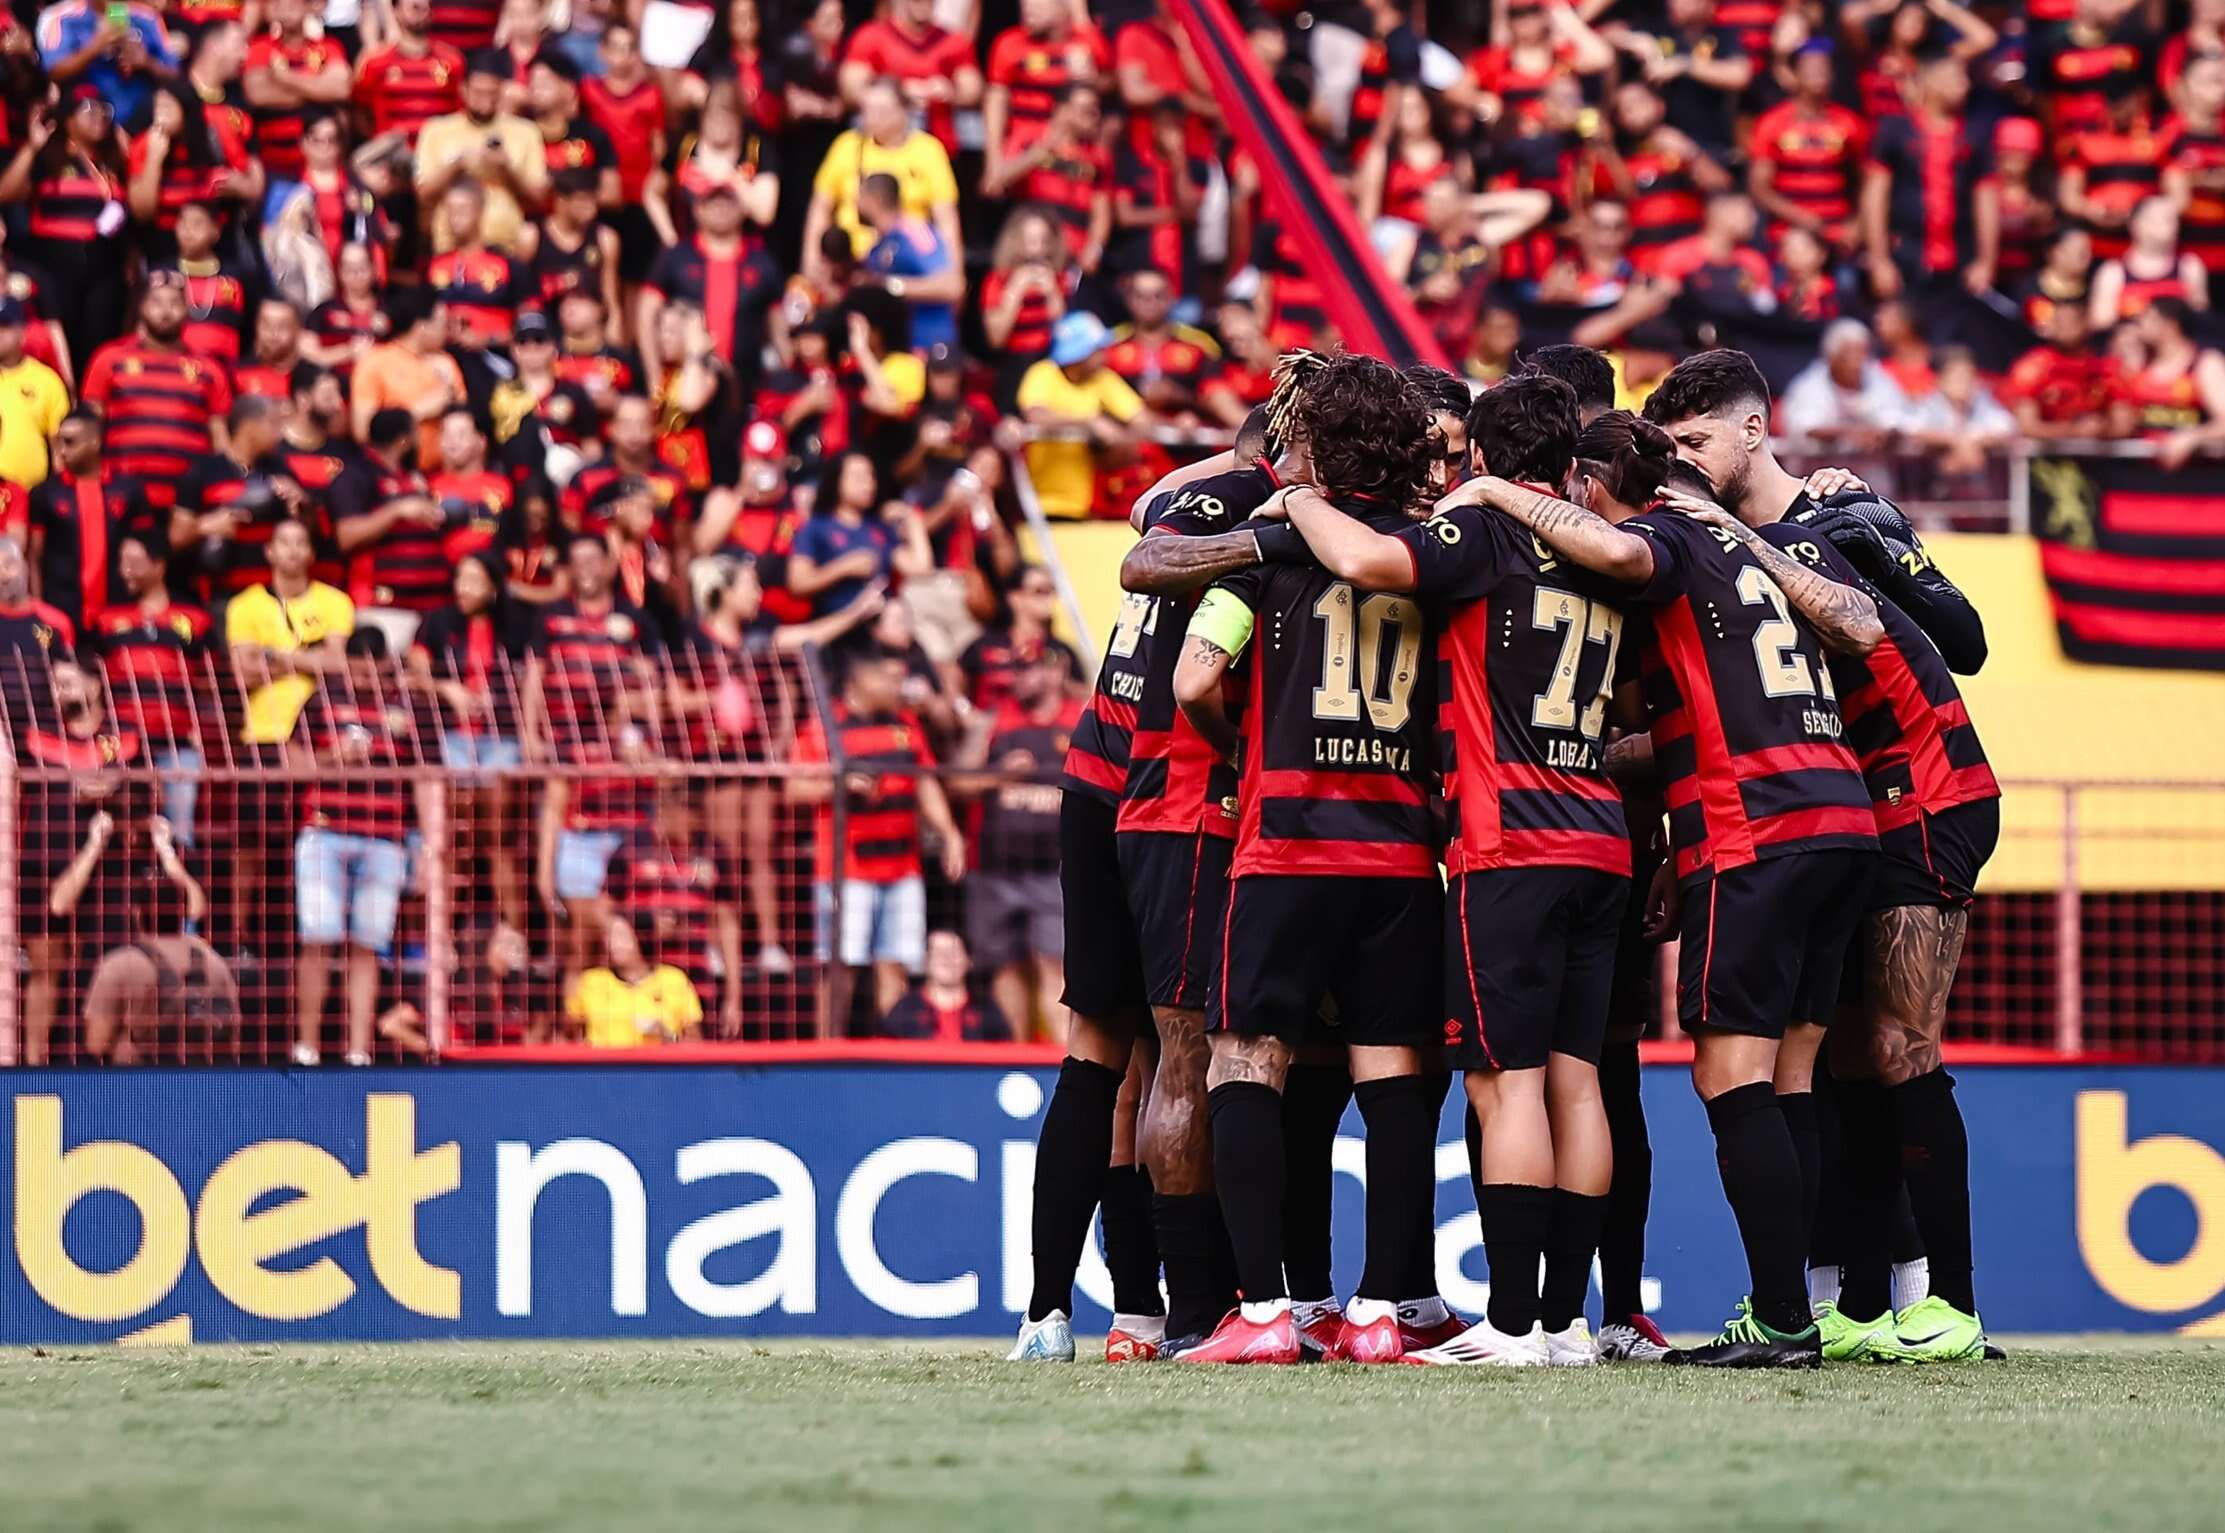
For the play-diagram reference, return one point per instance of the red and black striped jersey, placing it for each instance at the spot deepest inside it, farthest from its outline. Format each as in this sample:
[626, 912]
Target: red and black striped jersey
[74, 526]
[407, 566]
[159, 402]
[1906, 720]
[621, 370]
[1526, 659]
[558, 269]
[1747, 734]
[1338, 758]
[216, 313]
[278, 128]
[586, 500]
[679, 887]
[363, 743]
[154, 661]
[335, 324]
[402, 91]
[1175, 779]
[1031, 323]
[1035, 72]
[465, 24]
[1665, 204]
[66, 205]
[592, 660]
[475, 503]
[1817, 156]
[483, 288]
[229, 565]
[2076, 72]
[1068, 184]
[2197, 153]
[1297, 313]
[631, 122]
[880, 826]
[1182, 356]
[2122, 170]
[581, 146]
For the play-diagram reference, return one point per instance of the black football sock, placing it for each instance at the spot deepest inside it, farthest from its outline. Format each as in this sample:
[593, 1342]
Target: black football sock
[1248, 1172]
[1517, 1221]
[1472, 1130]
[1421, 1263]
[1872, 1177]
[1622, 1239]
[1071, 1158]
[1935, 1161]
[1131, 1251]
[1827, 1232]
[1799, 1108]
[1570, 1242]
[1313, 1101]
[1401, 1139]
[1761, 1178]
[1189, 1231]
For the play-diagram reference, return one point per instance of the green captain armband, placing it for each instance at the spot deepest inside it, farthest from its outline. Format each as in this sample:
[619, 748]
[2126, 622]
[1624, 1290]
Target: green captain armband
[1222, 620]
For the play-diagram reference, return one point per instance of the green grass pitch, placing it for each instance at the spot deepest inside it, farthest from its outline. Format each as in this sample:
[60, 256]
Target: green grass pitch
[2076, 1434]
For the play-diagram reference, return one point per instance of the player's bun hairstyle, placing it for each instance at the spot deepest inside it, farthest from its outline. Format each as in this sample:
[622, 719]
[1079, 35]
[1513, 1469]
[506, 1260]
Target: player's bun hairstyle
[1525, 428]
[1445, 393]
[1590, 374]
[1365, 427]
[1628, 456]
[1687, 480]
[1717, 382]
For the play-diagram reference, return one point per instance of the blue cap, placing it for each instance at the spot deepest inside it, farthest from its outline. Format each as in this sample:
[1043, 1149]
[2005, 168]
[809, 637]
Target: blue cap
[1077, 337]
[1817, 46]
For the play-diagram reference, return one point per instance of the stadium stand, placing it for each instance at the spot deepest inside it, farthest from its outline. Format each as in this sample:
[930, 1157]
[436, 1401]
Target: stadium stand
[471, 473]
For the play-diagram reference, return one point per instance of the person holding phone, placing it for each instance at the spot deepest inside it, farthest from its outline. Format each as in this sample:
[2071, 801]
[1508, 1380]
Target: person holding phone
[118, 47]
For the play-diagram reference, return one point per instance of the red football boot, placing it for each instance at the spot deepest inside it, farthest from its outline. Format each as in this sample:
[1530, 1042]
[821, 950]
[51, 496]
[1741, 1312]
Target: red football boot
[1237, 1340]
[1368, 1334]
[1420, 1336]
[1319, 1325]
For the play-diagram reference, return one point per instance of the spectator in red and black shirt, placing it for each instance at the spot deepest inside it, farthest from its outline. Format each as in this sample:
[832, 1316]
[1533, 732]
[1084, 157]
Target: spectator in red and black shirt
[229, 502]
[70, 171]
[275, 354]
[2112, 168]
[191, 151]
[2078, 65]
[632, 443]
[482, 287]
[216, 293]
[888, 792]
[350, 861]
[411, 80]
[1066, 170]
[155, 651]
[933, 69]
[164, 406]
[1030, 66]
[474, 499]
[390, 528]
[574, 142]
[726, 272]
[1805, 156]
[288, 73]
[77, 516]
[588, 682]
[942, 1007]
[571, 249]
[1024, 294]
[993, 663]
[1158, 187]
[1923, 189]
[2194, 176]
[464, 25]
[1659, 172]
[470, 657]
[2065, 387]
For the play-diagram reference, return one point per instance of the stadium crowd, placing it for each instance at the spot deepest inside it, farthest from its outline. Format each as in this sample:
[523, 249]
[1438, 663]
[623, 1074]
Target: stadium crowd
[534, 389]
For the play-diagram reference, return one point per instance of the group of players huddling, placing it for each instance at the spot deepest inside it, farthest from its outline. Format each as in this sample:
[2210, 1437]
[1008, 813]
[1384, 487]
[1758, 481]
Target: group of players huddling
[1423, 720]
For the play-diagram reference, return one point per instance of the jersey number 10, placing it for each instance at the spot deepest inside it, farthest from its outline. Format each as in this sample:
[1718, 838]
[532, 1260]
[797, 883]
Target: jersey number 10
[1352, 668]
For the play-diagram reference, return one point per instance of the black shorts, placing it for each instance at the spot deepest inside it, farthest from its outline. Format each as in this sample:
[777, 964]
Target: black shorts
[1762, 946]
[1178, 896]
[1530, 965]
[1935, 860]
[1371, 943]
[1104, 966]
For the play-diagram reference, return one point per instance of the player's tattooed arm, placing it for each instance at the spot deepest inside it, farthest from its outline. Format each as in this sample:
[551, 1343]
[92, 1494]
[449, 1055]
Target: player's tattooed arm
[1197, 688]
[1349, 551]
[1171, 566]
[1630, 759]
[1843, 617]
[1580, 536]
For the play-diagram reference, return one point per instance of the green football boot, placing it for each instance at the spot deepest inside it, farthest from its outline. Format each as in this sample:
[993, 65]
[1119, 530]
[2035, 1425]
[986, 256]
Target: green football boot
[1932, 1331]
[1846, 1339]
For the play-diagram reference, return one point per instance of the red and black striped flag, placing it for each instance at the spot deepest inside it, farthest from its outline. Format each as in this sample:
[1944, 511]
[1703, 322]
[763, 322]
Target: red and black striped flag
[2135, 559]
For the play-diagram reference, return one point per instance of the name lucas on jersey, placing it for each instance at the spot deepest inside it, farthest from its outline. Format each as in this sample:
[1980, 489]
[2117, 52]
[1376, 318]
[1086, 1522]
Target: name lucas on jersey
[1332, 751]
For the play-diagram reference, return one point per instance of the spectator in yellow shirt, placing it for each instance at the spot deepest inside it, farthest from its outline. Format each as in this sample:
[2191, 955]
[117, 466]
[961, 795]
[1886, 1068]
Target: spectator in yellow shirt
[1069, 388]
[504, 153]
[634, 1002]
[883, 143]
[33, 401]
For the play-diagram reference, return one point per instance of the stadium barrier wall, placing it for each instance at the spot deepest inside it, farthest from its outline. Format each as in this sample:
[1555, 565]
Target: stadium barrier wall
[878, 1200]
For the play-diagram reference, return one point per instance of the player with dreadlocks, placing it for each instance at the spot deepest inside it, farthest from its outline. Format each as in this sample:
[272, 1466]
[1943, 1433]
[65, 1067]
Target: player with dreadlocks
[1334, 879]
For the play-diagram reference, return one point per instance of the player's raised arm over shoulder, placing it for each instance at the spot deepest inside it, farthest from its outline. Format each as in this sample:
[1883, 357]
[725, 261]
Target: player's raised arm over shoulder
[1370, 560]
[1844, 617]
[1580, 536]
[1171, 566]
